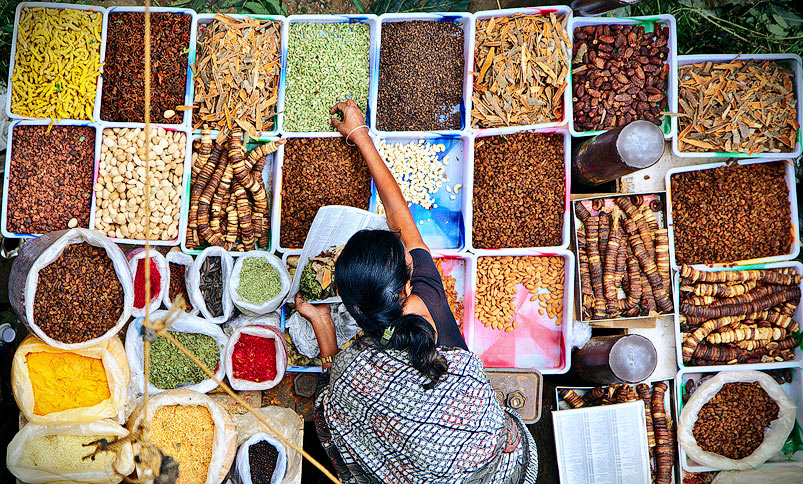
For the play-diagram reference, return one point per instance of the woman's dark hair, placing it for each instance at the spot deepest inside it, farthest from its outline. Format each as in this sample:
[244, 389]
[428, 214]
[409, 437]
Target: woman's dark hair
[370, 274]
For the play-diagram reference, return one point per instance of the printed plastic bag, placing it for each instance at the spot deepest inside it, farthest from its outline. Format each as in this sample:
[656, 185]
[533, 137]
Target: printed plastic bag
[194, 281]
[134, 348]
[269, 305]
[41, 251]
[242, 468]
[157, 259]
[280, 344]
[123, 465]
[110, 352]
[777, 474]
[224, 444]
[303, 335]
[178, 257]
[287, 423]
[774, 436]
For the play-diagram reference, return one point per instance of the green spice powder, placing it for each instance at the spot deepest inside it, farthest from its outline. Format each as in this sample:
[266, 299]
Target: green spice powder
[170, 368]
[327, 63]
[259, 281]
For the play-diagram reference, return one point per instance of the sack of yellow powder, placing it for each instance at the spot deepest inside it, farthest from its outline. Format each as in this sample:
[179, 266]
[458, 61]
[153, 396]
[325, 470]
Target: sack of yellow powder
[54, 386]
[41, 454]
[194, 430]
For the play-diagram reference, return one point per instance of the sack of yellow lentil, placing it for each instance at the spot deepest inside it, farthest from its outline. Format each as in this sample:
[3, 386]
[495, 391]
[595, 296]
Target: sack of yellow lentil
[71, 288]
[41, 454]
[55, 386]
[169, 367]
[193, 429]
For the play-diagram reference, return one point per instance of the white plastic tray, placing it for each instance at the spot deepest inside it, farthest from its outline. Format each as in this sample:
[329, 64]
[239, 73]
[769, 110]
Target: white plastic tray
[207, 18]
[798, 316]
[276, 208]
[791, 183]
[466, 21]
[462, 285]
[189, 92]
[567, 212]
[443, 228]
[793, 62]
[668, 126]
[101, 10]
[268, 176]
[7, 171]
[184, 180]
[794, 390]
[559, 10]
[473, 328]
[373, 54]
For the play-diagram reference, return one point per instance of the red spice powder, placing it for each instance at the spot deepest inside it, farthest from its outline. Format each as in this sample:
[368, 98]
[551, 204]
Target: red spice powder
[254, 358]
[139, 283]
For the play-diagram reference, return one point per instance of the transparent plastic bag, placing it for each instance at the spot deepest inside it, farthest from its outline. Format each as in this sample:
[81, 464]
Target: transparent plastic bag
[157, 259]
[777, 474]
[178, 257]
[270, 319]
[242, 468]
[774, 436]
[224, 444]
[124, 464]
[194, 280]
[269, 305]
[303, 335]
[287, 423]
[110, 352]
[280, 344]
[41, 251]
[186, 323]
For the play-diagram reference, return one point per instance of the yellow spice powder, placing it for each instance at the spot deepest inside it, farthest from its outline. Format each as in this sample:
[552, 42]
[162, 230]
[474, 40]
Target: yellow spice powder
[62, 381]
[64, 453]
[186, 433]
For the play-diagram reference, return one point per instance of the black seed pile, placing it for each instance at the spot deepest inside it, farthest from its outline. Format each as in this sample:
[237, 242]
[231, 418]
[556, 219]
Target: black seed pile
[420, 76]
[262, 459]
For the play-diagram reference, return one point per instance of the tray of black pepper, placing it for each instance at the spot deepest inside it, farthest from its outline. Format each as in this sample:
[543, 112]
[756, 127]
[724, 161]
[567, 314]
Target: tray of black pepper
[741, 213]
[744, 409]
[208, 284]
[422, 82]
[48, 177]
[71, 288]
[262, 458]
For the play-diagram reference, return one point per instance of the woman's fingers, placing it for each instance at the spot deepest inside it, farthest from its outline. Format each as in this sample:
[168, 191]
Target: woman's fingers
[335, 122]
[338, 107]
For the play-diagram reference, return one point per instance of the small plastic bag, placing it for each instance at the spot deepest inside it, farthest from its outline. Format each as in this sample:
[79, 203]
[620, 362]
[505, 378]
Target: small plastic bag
[186, 260]
[41, 251]
[224, 443]
[159, 261]
[270, 319]
[774, 436]
[110, 352]
[242, 467]
[271, 332]
[194, 281]
[287, 423]
[269, 305]
[303, 335]
[134, 348]
[121, 466]
[777, 474]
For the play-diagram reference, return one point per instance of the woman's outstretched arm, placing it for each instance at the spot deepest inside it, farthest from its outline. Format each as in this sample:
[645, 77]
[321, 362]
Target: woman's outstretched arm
[399, 217]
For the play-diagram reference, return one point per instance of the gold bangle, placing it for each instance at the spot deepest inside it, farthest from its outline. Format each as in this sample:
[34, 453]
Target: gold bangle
[352, 132]
[326, 360]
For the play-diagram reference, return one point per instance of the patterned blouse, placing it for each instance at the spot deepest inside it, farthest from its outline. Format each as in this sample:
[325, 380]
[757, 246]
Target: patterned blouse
[378, 424]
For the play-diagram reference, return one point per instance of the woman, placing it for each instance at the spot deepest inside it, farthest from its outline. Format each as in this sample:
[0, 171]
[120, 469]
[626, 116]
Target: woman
[407, 403]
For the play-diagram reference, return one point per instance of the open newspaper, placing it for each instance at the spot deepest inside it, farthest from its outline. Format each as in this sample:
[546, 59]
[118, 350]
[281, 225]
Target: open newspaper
[332, 227]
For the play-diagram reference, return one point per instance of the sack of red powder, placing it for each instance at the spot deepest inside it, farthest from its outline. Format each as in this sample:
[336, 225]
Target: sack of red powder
[256, 357]
[159, 278]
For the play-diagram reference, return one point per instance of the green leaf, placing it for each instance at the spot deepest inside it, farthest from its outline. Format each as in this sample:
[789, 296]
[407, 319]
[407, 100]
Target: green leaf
[777, 30]
[404, 6]
[254, 7]
[794, 443]
[780, 21]
[358, 5]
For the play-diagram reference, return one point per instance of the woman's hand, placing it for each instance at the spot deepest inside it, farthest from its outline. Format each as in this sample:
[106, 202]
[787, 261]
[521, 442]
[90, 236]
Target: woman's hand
[352, 120]
[317, 314]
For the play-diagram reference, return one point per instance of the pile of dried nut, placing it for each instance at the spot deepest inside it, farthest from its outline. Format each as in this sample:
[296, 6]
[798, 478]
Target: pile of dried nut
[417, 170]
[497, 278]
[120, 209]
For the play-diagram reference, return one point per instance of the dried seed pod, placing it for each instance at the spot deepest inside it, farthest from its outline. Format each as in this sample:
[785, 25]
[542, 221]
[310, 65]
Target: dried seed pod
[664, 453]
[756, 300]
[662, 256]
[609, 275]
[604, 234]
[645, 395]
[204, 175]
[595, 266]
[648, 307]
[691, 341]
[572, 398]
[746, 333]
[698, 300]
[581, 211]
[715, 353]
[720, 290]
[636, 285]
[595, 393]
[769, 276]
[205, 200]
[647, 264]
[637, 218]
[586, 292]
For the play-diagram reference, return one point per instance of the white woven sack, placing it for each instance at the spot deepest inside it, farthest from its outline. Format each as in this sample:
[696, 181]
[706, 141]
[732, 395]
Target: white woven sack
[194, 281]
[280, 344]
[178, 257]
[242, 467]
[269, 305]
[157, 259]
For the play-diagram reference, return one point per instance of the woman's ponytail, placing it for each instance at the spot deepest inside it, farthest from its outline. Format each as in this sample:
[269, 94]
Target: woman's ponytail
[416, 335]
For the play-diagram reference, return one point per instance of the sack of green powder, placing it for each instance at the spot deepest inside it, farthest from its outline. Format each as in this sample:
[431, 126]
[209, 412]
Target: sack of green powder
[256, 357]
[288, 424]
[259, 282]
[177, 430]
[55, 386]
[41, 454]
[209, 292]
[169, 367]
[262, 458]
[40, 252]
[158, 287]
